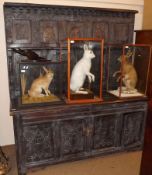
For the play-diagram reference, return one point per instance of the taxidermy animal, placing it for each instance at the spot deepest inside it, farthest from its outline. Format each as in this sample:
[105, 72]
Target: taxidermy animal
[31, 55]
[82, 70]
[129, 74]
[41, 84]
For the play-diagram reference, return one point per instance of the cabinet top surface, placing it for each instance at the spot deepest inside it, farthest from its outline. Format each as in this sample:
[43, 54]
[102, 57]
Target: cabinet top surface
[104, 104]
[9, 4]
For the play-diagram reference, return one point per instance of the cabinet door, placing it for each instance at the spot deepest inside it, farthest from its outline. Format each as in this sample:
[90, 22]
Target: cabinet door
[72, 138]
[105, 135]
[38, 142]
[133, 129]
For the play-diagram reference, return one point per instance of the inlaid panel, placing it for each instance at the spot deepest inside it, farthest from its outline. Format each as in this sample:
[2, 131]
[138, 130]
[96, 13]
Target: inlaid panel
[76, 29]
[9, 26]
[48, 32]
[121, 33]
[101, 30]
[21, 31]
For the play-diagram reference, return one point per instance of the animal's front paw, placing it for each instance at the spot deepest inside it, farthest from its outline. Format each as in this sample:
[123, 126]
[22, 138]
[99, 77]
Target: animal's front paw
[90, 79]
[114, 74]
[49, 93]
[118, 79]
[93, 78]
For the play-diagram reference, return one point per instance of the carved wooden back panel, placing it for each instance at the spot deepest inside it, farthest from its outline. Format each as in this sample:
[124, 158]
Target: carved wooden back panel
[38, 26]
[45, 29]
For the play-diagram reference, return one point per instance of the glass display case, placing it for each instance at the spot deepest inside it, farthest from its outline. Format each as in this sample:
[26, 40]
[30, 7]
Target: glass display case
[77, 73]
[85, 69]
[39, 83]
[113, 52]
[128, 71]
[35, 76]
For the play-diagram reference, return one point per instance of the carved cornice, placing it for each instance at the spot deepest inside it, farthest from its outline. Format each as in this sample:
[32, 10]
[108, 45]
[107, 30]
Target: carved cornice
[67, 10]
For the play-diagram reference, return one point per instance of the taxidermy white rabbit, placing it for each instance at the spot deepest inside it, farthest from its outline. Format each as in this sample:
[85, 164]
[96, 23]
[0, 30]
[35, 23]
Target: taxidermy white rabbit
[129, 74]
[41, 83]
[82, 70]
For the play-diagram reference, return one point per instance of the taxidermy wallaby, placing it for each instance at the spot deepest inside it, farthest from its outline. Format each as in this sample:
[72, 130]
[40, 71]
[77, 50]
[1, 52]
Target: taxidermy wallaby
[129, 74]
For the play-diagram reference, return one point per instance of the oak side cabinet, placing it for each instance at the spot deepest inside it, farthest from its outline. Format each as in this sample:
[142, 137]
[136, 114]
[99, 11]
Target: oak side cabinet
[51, 135]
[145, 37]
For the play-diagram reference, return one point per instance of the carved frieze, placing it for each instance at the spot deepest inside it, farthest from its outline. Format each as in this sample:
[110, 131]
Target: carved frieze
[41, 26]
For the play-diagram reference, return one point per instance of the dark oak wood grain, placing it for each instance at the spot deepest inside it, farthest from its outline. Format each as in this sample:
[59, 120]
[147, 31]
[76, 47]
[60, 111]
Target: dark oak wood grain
[145, 36]
[53, 133]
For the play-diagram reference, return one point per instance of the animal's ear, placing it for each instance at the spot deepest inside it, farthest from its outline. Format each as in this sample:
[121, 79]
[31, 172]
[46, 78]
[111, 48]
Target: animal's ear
[50, 70]
[45, 69]
[119, 58]
[90, 45]
[85, 47]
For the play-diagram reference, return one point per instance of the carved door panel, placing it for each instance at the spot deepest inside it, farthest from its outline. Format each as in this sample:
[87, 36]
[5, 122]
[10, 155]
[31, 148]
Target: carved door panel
[133, 129]
[105, 133]
[72, 138]
[38, 142]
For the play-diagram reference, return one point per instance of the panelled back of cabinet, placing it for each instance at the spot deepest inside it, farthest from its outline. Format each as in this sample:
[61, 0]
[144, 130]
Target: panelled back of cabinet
[40, 25]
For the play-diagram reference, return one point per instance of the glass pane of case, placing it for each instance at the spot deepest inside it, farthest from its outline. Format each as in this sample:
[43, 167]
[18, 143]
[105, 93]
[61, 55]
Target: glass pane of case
[40, 83]
[35, 76]
[114, 52]
[85, 67]
[130, 78]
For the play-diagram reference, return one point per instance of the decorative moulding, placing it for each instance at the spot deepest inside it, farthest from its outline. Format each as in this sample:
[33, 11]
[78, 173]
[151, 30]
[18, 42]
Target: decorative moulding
[88, 2]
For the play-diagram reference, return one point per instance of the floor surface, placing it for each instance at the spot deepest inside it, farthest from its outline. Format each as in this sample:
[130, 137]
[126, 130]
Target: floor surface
[116, 164]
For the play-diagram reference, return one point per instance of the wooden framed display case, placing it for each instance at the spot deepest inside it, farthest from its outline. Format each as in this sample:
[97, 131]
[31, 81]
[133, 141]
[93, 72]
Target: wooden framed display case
[53, 132]
[131, 78]
[85, 69]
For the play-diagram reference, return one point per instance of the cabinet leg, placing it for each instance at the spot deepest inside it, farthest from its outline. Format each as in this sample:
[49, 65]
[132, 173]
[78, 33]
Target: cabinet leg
[22, 171]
